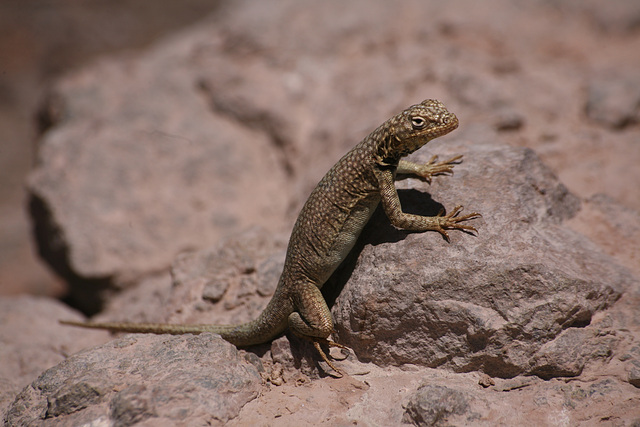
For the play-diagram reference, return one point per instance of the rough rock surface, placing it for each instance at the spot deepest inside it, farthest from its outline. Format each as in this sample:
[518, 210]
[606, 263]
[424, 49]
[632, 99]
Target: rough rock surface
[141, 378]
[232, 123]
[31, 341]
[431, 405]
[230, 282]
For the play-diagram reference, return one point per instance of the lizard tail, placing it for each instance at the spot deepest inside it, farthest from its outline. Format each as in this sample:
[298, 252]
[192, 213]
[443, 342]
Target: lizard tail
[272, 322]
[239, 335]
[147, 328]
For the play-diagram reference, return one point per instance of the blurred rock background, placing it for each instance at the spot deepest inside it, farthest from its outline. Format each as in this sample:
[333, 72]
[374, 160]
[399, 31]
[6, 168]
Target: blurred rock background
[39, 41]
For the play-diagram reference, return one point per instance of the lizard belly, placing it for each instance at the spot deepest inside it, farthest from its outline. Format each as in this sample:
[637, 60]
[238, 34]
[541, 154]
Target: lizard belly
[345, 239]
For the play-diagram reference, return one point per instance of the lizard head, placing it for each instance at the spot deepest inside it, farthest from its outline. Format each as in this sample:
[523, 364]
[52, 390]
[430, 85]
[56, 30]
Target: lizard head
[414, 127]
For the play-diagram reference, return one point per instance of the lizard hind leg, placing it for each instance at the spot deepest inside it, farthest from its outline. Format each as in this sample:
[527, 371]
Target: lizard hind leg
[317, 343]
[312, 321]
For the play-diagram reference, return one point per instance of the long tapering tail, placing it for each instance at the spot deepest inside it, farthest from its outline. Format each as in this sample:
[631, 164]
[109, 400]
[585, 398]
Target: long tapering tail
[245, 334]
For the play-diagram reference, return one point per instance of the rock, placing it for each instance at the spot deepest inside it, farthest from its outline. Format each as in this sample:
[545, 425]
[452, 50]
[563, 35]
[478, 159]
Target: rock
[632, 357]
[509, 120]
[137, 168]
[613, 227]
[31, 340]
[534, 285]
[487, 302]
[614, 101]
[634, 375]
[513, 300]
[620, 18]
[155, 380]
[299, 359]
[242, 271]
[245, 267]
[432, 405]
[486, 381]
[567, 355]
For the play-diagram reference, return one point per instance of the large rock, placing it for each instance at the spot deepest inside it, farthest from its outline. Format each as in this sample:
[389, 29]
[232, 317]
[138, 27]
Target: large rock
[142, 380]
[487, 302]
[136, 168]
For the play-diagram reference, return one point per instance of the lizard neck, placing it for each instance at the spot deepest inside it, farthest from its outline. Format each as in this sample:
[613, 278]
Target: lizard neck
[384, 152]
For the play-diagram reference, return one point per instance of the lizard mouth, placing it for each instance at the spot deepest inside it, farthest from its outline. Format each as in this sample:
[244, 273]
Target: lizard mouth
[443, 127]
[447, 125]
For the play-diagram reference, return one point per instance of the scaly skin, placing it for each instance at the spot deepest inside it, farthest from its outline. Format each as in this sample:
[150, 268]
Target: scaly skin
[329, 225]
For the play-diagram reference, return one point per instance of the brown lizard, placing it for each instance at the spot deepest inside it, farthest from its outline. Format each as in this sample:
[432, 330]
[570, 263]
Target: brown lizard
[329, 225]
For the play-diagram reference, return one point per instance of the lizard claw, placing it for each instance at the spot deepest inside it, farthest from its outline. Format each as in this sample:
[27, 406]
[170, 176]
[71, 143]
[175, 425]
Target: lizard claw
[452, 221]
[433, 167]
[316, 343]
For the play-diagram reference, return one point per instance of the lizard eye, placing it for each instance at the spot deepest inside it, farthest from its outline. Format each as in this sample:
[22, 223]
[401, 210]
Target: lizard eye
[418, 122]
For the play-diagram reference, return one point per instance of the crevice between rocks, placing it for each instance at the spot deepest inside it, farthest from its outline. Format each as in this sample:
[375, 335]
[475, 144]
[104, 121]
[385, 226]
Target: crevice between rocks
[85, 294]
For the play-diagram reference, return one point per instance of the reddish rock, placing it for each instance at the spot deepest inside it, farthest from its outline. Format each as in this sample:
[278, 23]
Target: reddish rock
[164, 380]
[31, 340]
[485, 302]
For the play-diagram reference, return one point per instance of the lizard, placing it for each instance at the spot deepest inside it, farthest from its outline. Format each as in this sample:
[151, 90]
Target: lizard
[329, 224]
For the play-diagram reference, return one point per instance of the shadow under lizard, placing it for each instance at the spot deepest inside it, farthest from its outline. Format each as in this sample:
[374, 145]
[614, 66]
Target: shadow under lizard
[329, 225]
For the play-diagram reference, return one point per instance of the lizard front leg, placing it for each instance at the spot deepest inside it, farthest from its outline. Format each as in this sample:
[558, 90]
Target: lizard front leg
[429, 169]
[393, 209]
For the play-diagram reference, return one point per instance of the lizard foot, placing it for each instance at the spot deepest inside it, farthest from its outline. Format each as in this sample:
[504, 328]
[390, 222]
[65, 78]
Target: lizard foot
[452, 221]
[433, 167]
[316, 344]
